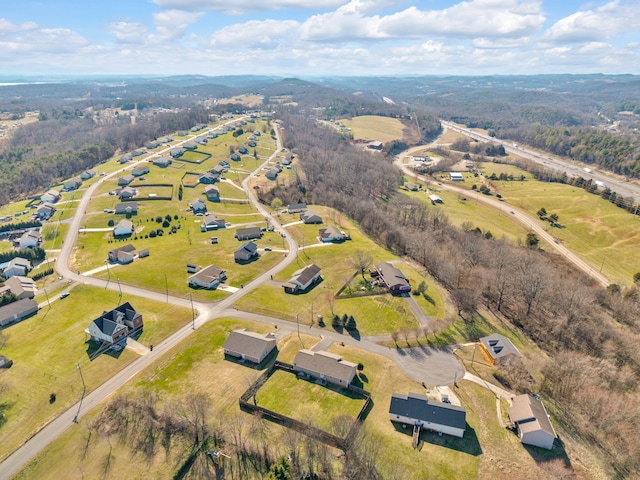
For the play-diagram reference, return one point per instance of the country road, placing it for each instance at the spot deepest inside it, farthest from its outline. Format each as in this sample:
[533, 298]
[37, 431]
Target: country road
[529, 222]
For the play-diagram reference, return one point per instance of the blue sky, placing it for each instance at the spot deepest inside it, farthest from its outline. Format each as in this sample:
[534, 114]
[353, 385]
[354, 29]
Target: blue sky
[319, 37]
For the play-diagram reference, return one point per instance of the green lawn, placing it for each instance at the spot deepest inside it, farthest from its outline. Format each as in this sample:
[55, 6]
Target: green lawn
[372, 127]
[46, 348]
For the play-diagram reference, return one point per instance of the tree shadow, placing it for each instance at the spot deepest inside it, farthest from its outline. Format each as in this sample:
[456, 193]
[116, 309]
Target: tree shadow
[354, 332]
[468, 444]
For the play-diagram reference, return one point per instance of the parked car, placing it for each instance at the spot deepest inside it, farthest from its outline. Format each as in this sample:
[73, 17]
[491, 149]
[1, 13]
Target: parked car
[64, 295]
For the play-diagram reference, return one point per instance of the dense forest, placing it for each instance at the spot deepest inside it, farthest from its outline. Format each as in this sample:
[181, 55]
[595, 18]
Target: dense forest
[589, 333]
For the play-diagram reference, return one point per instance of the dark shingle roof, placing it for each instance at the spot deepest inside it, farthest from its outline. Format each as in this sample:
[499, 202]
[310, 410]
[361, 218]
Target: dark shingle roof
[419, 407]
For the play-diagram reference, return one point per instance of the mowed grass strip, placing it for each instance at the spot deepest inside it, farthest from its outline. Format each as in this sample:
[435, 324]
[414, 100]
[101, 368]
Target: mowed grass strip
[306, 401]
[372, 127]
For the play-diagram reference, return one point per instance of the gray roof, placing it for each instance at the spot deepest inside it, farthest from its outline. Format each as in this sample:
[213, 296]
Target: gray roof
[248, 232]
[297, 206]
[530, 415]
[250, 344]
[392, 276]
[128, 207]
[208, 275]
[310, 216]
[419, 407]
[304, 275]
[499, 346]
[325, 363]
[249, 248]
[19, 308]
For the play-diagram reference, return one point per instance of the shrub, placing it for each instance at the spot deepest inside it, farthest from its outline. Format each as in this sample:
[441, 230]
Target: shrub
[111, 222]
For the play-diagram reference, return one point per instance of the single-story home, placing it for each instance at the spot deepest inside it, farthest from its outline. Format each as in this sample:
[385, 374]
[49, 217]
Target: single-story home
[143, 253]
[17, 266]
[209, 277]
[123, 228]
[52, 196]
[72, 184]
[246, 252]
[211, 222]
[114, 326]
[190, 145]
[297, 207]
[456, 177]
[202, 140]
[87, 174]
[220, 168]
[302, 279]
[310, 217]
[212, 193]
[243, 150]
[411, 187]
[248, 233]
[498, 347]
[374, 145]
[251, 346]
[532, 421]
[128, 208]
[417, 409]
[435, 199]
[326, 366]
[272, 173]
[125, 180]
[208, 178]
[175, 152]
[235, 157]
[30, 239]
[138, 152]
[162, 162]
[127, 193]
[45, 211]
[393, 278]
[125, 158]
[140, 170]
[331, 234]
[197, 205]
[16, 311]
[21, 287]
[123, 254]
[152, 144]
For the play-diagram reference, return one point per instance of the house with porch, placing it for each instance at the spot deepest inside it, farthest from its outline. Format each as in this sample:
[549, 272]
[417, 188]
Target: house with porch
[212, 193]
[45, 211]
[21, 287]
[211, 222]
[122, 255]
[310, 217]
[303, 279]
[209, 277]
[52, 196]
[331, 234]
[128, 208]
[30, 239]
[417, 410]
[113, 327]
[325, 366]
[392, 277]
[249, 346]
[127, 193]
[248, 233]
[246, 253]
[197, 205]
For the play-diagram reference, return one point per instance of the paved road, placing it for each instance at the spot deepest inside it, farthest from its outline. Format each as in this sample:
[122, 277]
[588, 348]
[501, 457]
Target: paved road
[616, 183]
[518, 215]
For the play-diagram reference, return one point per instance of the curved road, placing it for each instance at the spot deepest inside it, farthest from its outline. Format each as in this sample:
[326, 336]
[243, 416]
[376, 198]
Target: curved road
[518, 215]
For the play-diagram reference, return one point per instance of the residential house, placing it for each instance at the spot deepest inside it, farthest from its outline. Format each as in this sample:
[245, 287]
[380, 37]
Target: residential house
[190, 145]
[166, 140]
[138, 152]
[243, 150]
[72, 184]
[251, 346]
[151, 145]
[128, 208]
[272, 173]
[176, 152]
[123, 254]
[248, 233]
[256, 133]
[456, 177]
[209, 277]
[87, 174]
[303, 279]
[393, 278]
[310, 217]
[140, 170]
[532, 421]
[435, 199]
[212, 193]
[411, 187]
[21, 287]
[235, 157]
[325, 366]
[197, 205]
[219, 169]
[162, 162]
[498, 348]
[125, 158]
[416, 409]
[246, 252]
[374, 145]
[123, 228]
[52, 196]
[183, 133]
[17, 266]
[125, 180]
[211, 222]
[16, 311]
[113, 327]
[45, 211]
[331, 234]
[30, 239]
[252, 144]
[127, 193]
[202, 140]
[297, 207]
[208, 178]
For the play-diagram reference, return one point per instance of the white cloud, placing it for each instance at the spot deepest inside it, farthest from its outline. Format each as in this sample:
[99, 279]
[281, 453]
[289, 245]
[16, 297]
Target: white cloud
[486, 18]
[171, 24]
[8, 27]
[125, 32]
[605, 22]
[238, 7]
[267, 34]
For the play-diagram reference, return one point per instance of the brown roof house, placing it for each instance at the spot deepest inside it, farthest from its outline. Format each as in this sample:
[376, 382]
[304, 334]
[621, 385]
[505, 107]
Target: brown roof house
[114, 326]
[310, 217]
[303, 279]
[248, 233]
[326, 366]
[331, 234]
[416, 409]
[122, 255]
[209, 277]
[392, 277]
[246, 253]
[498, 347]
[21, 287]
[251, 346]
[533, 423]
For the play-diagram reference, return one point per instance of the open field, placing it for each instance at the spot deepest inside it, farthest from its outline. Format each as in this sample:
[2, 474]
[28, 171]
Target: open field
[307, 401]
[47, 347]
[372, 127]
[248, 100]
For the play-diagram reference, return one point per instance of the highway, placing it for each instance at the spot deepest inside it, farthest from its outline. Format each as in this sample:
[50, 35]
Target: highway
[619, 185]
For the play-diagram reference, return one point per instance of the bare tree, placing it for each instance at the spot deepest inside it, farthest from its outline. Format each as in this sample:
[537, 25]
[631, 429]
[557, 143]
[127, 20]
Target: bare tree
[361, 261]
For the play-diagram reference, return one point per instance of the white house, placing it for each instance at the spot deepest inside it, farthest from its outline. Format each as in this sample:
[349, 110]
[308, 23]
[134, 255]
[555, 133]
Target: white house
[17, 266]
[52, 196]
[123, 228]
[30, 239]
[417, 409]
[302, 279]
[530, 417]
[456, 177]
[209, 277]
[211, 222]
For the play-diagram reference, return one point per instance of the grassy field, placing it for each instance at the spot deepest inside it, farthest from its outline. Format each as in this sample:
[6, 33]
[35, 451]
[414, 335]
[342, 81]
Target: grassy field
[47, 347]
[306, 401]
[372, 127]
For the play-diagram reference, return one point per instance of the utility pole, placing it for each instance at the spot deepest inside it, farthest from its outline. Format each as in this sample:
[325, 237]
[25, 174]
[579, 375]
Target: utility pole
[120, 290]
[299, 337]
[48, 302]
[108, 275]
[84, 390]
